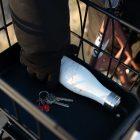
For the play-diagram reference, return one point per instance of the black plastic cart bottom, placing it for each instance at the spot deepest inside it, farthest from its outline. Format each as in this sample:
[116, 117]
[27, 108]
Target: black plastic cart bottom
[85, 119]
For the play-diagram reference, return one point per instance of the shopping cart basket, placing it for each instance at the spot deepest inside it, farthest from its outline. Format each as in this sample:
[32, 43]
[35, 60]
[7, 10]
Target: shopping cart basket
[85, 119]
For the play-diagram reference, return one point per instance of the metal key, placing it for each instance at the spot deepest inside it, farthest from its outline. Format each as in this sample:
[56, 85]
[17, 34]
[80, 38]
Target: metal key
[61, 104]
[52, 99]
[61, 98]
[64, 99]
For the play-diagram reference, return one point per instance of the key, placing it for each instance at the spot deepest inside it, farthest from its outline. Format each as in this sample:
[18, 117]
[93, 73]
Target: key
[61, 104]
[53, 100]
[60, 98]
[64, 99]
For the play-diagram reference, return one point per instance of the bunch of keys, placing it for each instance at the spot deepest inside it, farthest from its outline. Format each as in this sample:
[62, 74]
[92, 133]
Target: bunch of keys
[46, 99]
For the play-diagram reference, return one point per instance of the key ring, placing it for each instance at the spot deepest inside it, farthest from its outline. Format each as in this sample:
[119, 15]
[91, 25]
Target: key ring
[42, 100]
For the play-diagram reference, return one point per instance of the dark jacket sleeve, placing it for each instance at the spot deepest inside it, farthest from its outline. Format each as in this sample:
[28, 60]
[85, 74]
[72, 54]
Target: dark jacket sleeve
[42, 30]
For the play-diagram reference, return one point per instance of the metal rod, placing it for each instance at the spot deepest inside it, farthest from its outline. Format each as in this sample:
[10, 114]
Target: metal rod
[112, 43]
[36, 113]
[112, 47]
[80, 15]
[134, 83]
[16, 110]
[33, 136]
[101, 44]
[39, 130]
[81, 25]
[103, 10]
[105, 52]
[4, 21]
[82, 32]
[7, 25]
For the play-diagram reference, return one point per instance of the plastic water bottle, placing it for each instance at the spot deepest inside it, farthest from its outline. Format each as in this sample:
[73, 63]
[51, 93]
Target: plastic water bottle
[80, 80]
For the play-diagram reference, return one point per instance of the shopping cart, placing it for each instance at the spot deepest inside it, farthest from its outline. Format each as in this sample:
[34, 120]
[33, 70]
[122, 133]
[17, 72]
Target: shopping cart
[85, 119]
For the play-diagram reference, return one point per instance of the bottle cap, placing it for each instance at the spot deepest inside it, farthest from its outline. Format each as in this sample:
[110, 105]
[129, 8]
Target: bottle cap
[112, 100]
